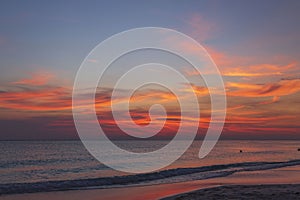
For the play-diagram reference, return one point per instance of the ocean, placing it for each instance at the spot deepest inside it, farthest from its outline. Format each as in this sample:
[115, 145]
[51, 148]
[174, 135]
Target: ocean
[30, 166]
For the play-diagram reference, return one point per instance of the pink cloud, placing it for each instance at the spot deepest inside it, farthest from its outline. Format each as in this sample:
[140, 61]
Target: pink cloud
[37, 79]
[200, 28]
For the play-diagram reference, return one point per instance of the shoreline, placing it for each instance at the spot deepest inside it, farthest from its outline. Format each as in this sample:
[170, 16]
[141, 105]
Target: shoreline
[279, 176]
[170, 176]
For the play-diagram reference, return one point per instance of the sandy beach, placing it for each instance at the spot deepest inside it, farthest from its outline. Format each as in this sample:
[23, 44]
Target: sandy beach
[276, 192]
[283, 183]
[275, 182]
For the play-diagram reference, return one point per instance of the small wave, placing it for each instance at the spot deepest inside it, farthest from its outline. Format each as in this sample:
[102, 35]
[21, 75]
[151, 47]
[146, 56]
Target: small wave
[165, 176]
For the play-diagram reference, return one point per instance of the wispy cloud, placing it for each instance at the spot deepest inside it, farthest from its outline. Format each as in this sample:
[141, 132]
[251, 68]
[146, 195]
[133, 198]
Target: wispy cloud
[42, 99]
[260, 70]
[200, 28]
[37, 79]
[282, 88]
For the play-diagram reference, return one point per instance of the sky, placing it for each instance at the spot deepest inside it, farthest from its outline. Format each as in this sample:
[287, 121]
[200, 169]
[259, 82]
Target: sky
[255, 44]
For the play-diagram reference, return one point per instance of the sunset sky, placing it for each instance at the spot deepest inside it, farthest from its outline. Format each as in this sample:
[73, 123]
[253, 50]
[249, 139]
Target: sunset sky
[255, 44]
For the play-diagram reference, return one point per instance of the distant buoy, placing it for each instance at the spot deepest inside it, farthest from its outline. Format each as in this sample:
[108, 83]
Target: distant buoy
[298, 149]
[241, 151]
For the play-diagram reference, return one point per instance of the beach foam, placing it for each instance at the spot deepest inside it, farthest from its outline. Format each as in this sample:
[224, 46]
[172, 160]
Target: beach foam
[165, 176]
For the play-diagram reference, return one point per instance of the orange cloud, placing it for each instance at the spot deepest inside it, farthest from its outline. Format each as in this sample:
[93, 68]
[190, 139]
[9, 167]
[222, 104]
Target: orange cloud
[39, 99]
[273, 100]
[258, 70]
[44, 100]
[141, 118]
[282, 88]
[198, 90]
[257, 132]
[251, 120]
[231, 66]
[145, 98]
[158, 96]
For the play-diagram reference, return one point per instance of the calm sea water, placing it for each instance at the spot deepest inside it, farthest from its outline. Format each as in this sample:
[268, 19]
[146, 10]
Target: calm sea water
[40, 161]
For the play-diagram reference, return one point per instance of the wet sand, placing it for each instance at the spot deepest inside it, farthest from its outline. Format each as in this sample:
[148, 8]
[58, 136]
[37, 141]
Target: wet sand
[275, 192]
